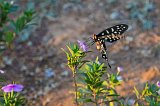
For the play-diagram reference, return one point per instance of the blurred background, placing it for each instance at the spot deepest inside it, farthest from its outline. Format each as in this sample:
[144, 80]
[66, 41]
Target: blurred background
[37, 61]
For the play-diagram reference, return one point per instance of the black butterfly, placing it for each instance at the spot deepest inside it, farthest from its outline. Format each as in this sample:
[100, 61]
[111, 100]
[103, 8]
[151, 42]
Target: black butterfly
[111, 35]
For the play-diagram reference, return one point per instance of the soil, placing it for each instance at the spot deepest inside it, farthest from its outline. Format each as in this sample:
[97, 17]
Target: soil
[138, 53]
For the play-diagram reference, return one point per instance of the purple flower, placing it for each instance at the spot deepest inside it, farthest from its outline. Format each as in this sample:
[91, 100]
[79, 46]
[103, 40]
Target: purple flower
[119, 69]
[83, 45]
[12, 87]
[158, 83]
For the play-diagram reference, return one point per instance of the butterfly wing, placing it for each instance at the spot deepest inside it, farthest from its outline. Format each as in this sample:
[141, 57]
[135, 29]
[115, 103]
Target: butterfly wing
[114, 33]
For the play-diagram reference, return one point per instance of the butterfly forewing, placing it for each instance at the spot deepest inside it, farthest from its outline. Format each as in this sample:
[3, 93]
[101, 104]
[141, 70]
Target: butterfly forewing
[114, 33]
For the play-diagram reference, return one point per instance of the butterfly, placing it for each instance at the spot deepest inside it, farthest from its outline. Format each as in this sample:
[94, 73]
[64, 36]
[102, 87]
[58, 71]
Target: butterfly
[110, 35]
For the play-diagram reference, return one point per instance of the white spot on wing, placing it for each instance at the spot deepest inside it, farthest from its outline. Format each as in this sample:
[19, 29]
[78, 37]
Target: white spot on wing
[112, 29]
[102, 33]
[107, 31]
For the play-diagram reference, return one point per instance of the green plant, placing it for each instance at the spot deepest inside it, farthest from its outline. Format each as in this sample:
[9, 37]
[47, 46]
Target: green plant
[75, 61]
[94, 84]
[90, 83]
[11, 26]
[11, 95]
[149, 96]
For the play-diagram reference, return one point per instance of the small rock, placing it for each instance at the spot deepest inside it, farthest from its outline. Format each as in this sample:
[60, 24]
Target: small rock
[29, 43]
[69, 7]
[23, 68]
[47, 89]
[54, 85]
[149, 7]
[65, 73]
[62, 65]
[129, 39]
[126, 48]
[37, 70]
[112, 62]
[131, 102]
[49, 73]
[116, 15]
[31, 74]
[7, 60]
[145, 53]
[40, 93]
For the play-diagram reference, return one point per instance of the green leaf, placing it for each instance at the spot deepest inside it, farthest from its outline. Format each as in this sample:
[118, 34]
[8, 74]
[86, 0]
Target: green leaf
[88, 67]
[98, 84]
[96, 60]
[13, 8]
[88, 100]
[101, 66]
[68, 56]
[136, 92]
[9, 37]
[70, 50]
[13, 26]
[147, 98]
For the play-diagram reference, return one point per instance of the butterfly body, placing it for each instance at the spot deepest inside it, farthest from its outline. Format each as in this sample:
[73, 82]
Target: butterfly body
[110, 35]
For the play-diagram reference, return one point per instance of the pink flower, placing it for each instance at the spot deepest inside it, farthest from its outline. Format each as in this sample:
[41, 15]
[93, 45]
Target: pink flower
[12, 87]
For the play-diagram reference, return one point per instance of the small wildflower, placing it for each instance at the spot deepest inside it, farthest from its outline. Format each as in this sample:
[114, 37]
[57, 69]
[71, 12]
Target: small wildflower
[12, 87]
[158, 83]
[83, 45]
[119, 69]
[1, 71]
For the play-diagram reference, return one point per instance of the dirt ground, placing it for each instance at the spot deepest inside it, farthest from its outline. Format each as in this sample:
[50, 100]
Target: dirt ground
[40, 65]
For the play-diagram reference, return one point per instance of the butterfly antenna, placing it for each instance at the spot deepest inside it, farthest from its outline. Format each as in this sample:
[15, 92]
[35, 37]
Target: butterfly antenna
[89, 41]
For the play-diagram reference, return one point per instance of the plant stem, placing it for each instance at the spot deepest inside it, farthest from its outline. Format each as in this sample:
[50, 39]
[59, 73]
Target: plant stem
[75, 84]
[101, 101]
[94, 96]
